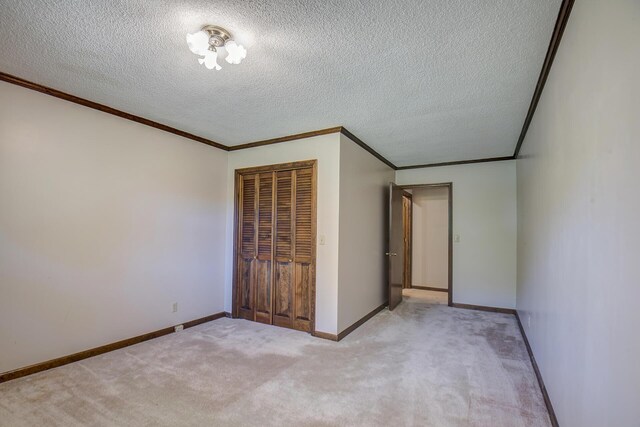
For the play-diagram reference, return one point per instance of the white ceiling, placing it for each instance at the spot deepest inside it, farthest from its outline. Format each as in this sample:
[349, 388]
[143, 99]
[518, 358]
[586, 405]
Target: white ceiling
[419, 81]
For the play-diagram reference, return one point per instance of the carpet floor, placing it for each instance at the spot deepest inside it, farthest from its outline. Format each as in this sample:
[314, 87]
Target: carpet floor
[424, 364]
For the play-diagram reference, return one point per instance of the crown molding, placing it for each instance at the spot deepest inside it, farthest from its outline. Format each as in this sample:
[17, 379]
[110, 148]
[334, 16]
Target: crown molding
[373, 152]
[561, 23]
[286, 138]
[554, 43]
[458, 162]
[138, 119]
[337, 129]
[106, 109]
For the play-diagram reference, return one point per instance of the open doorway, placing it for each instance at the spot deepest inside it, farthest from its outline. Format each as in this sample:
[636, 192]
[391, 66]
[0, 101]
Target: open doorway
[427, 236]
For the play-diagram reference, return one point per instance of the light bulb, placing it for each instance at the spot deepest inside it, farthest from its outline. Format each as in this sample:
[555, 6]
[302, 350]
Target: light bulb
[198, 42]
[237, 52]
[210, 60]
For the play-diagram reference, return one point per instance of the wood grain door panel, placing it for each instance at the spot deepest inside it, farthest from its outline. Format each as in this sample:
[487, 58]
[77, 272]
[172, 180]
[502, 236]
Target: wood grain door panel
[263, 291]
[246, 309]
[283, 298]
[396, 246]
[303, 296]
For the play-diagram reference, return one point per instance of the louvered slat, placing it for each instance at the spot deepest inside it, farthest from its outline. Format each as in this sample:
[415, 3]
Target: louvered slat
[304, 213]
[248, 215]
[283, 214]
[265, 215]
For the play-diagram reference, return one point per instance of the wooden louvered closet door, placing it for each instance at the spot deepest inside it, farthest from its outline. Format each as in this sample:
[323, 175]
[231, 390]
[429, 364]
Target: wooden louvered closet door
[247, 247]
[304, 245]
[283, 289]
[275, 269]
[265, 243]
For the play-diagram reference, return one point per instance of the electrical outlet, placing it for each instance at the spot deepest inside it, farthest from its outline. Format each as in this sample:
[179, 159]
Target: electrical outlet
[457, 238]
[178, 328]
[175, 307]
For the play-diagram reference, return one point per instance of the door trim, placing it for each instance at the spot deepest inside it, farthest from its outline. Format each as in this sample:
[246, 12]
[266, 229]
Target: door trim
[408, 244]
[449, 185]
[305, 164]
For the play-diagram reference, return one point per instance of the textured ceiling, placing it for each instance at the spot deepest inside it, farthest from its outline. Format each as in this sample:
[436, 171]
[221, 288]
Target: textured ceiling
[419, 81]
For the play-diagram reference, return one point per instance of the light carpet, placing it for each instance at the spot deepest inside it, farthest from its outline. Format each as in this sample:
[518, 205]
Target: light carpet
[424, 364]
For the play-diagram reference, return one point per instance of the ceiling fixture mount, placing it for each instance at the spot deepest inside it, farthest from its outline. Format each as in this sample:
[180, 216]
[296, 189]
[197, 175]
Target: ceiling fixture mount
[208, 40]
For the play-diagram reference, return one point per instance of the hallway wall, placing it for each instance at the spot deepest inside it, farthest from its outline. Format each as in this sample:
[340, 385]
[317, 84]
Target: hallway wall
[430, 237]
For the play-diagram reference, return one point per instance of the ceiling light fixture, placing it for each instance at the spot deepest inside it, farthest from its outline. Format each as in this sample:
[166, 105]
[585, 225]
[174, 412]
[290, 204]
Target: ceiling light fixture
[208, 40]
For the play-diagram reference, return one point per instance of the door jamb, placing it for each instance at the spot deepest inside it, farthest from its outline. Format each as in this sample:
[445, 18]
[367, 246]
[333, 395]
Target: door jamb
[449, 185]
[409, 253]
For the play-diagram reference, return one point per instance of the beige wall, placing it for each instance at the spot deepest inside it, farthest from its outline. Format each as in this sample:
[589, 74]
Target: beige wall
[579, 227]
[430, 237]
[326, 149]
[484, 216]
[364, 201]
[104, 224]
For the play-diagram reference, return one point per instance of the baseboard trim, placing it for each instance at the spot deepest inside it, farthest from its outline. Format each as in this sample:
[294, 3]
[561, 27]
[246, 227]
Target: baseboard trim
[325, 335]
[341, 335]
[65, 360]
[429, 288]
[543, 389]
[484, 308]
[362, 321]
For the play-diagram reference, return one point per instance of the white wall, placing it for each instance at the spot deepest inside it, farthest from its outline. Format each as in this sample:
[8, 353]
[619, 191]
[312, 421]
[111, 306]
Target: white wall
[326, 149]
[430, 237]
[484, 216]
[579, 220]
[364, 204]
[104, 224]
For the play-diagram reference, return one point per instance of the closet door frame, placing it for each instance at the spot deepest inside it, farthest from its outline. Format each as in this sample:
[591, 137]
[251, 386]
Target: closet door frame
[239, 173]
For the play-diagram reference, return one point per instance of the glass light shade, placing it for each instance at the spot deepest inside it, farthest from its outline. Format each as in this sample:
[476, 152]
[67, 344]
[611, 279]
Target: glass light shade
[198, 43]
[237, 52]
[210, 60]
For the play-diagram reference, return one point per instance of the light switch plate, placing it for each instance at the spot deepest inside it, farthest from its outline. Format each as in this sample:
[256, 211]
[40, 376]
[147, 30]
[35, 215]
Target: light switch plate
[321, 239]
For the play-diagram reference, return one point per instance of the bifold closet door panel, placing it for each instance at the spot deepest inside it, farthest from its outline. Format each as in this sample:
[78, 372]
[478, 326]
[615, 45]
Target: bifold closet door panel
[265, 243]
[247, 253]
[304, 248]
[283, 285]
